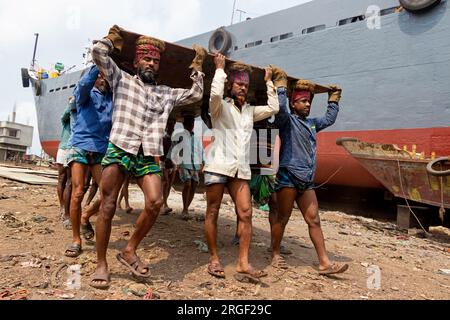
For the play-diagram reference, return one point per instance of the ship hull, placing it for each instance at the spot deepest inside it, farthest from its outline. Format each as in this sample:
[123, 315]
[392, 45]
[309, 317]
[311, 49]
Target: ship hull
[335, 166]
[395, 79]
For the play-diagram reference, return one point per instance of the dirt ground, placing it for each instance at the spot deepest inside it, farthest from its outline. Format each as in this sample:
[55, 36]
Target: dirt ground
[32, 264]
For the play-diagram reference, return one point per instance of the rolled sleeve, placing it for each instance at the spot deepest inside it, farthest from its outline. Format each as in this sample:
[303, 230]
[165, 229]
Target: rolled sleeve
[217, 91]
[106, 65]
[188, 96]
[272, 107]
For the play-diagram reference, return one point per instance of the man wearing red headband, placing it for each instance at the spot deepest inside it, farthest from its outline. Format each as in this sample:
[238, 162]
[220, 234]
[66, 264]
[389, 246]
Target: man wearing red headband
[141, 110]
[228, 159]
[297, 167]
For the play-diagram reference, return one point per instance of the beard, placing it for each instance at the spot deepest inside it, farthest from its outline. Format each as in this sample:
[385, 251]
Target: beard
[239, 99]
[148, 77]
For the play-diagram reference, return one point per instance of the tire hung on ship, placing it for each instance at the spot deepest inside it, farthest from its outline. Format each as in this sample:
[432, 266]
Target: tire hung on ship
[220, 41]
[418, 5]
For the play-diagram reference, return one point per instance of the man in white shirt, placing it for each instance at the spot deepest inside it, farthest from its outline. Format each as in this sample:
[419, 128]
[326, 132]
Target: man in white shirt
[228, 159]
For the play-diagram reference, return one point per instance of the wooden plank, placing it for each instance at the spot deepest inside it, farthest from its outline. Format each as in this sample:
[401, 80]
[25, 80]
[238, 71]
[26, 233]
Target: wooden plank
[45, 173]
[25, 177]
[174, 72]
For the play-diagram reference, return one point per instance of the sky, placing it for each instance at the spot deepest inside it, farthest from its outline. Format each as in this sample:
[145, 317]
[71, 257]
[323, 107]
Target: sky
[65, 28]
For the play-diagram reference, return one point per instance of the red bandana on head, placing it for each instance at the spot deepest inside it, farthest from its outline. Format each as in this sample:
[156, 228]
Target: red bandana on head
[301, 94]
[240, 77]
[146, 50]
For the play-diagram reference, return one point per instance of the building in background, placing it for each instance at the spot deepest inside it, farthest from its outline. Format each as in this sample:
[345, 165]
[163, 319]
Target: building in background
[15, 138]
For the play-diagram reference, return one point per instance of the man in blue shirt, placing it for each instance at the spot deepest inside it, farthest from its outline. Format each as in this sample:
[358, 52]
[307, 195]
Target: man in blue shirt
[89, 142]
[297, 167]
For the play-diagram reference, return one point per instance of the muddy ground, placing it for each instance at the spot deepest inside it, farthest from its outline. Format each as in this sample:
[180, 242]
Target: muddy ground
[32, 264]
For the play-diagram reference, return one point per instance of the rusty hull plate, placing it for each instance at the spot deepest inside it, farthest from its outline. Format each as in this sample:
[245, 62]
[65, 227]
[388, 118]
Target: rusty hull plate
[402, 175]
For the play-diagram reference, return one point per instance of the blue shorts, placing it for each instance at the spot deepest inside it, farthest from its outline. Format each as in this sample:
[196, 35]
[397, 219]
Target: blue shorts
[285, 179]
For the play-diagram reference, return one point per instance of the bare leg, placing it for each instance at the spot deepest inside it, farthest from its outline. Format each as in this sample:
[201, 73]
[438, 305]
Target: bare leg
[214, 195]
[151, 186]
[92, 191]
[273, 209]
[285, 202]
[78, 172]
[67, 197]
[126, 184]
[186, 194]
[166, 185]
[87, 180]
[124, 195]
[235, 240]
[240, 193]
[307, 202]
[96, 172]
[60, 187]
[112, 178]
[192, 193]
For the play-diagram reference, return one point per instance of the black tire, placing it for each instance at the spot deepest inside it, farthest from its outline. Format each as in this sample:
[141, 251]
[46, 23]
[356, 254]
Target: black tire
[435, 172]
[220, 41]
[418, 5]
[25, 77]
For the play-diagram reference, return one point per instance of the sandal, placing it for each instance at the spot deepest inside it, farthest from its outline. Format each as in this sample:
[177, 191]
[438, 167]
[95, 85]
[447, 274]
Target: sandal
[252, 276]
[334, 268]
[135, 267]
[278, 262]
[215, 269]
[67, 225]
[103, 277]
[73, 250]
[87, 231]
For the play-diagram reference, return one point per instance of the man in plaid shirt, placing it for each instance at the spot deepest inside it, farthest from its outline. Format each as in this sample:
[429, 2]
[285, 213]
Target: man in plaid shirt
[141, 108]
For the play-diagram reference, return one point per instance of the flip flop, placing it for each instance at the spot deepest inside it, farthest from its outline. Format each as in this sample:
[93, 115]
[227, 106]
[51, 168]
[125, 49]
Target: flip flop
[87, 231]
[67, 225]
[215, 269]
[254, 276]
[278, 262]
[134, 266]
[246, 278]
[334, 268]
[73, 250]
[105, 277]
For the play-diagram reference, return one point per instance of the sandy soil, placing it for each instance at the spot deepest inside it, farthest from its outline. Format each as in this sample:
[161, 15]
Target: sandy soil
[32, 264]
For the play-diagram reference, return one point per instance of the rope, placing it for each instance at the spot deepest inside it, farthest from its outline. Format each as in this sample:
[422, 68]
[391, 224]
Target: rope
[331, 177]
[442, 209]
[404, 196]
